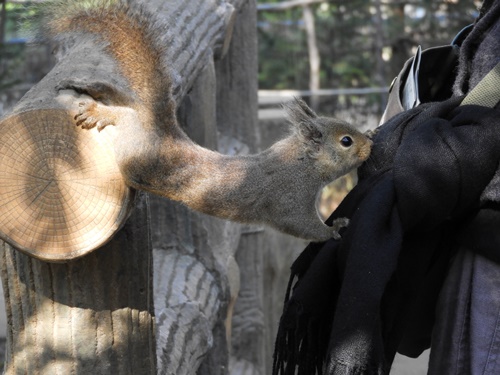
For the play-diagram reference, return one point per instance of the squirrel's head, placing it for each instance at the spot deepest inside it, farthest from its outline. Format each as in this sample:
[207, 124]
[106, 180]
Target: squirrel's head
[334, 146]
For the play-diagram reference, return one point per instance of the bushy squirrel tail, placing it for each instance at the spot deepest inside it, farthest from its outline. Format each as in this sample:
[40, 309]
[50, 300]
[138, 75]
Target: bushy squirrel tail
[126, 28]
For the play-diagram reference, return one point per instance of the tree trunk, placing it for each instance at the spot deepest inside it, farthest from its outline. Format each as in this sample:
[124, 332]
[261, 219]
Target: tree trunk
[199, 253]
[314, 58]
[3, 18]
[401, 43]
[380, 76]
[193, 257]
[92, 315]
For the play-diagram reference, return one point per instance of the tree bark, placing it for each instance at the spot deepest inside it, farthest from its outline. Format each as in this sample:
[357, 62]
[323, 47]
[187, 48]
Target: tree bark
[200, 252]
[90, 315]
[195, 31]
[194, 262]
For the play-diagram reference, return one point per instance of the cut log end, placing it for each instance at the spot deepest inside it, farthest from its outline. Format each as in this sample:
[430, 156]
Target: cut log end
[61, 192]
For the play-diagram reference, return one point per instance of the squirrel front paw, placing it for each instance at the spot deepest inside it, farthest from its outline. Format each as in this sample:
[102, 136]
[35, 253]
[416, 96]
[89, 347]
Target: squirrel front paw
[337, 225]
[90, 115]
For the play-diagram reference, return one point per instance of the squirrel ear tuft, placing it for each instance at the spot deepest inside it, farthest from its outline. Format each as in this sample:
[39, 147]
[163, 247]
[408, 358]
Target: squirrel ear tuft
[298, 111]
[304, 120]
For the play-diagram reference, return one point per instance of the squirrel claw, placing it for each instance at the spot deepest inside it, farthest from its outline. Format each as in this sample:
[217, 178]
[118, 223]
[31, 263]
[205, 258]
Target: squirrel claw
[88, 116]
[86, 123]
[101, 124]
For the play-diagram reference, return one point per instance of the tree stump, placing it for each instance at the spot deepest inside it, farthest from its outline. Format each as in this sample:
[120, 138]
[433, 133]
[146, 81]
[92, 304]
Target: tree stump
[62, 193]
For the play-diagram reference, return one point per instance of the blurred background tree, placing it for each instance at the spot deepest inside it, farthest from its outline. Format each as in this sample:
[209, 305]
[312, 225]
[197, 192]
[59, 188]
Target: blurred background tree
[22, 64]
[11, 53]
[361, 42]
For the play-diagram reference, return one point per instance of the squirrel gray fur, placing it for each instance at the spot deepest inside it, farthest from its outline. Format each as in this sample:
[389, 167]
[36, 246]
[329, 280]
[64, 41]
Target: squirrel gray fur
[278, 187]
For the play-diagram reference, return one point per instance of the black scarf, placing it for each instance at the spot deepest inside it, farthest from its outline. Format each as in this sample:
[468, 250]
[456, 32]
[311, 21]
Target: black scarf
[357, 301]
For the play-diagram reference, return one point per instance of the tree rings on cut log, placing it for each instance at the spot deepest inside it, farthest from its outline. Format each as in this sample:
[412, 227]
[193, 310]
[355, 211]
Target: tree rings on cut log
[61, 192]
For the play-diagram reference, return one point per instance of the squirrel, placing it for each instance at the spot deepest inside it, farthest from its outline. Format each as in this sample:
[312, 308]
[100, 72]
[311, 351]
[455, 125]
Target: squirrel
[278, 186]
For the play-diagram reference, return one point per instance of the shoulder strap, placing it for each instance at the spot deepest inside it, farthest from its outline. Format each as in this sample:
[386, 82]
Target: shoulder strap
[487, 91]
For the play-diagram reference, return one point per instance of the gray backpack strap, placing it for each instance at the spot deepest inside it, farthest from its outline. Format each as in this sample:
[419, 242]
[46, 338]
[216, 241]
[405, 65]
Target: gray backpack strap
[487, 91]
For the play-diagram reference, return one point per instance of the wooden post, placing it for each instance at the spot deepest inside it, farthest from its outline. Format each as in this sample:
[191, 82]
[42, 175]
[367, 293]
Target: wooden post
[92, 315]
[192, 258]
[197, 279]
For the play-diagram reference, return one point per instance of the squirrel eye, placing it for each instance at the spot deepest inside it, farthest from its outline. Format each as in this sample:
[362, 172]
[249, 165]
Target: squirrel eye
[346, 141]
